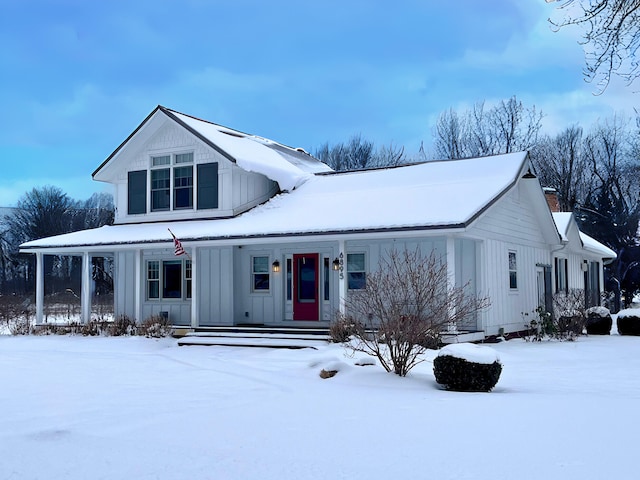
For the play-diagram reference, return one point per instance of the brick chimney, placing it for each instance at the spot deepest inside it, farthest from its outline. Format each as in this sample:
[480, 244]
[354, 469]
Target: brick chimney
[551, 194]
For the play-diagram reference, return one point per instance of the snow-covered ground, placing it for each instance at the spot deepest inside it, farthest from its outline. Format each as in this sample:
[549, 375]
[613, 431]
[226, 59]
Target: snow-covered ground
[76, 407]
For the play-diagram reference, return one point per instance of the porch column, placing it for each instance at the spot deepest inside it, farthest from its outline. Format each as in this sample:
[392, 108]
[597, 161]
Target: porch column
[194, 287]
[342, 277]
[451, 262]
[451, 276]
[39, 288]
[85, 296]
[138, 286]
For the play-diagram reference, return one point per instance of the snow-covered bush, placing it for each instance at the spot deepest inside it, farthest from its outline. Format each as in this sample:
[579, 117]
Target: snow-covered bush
[598, 321]
[629, 321]
[465, 367]
[156, 326]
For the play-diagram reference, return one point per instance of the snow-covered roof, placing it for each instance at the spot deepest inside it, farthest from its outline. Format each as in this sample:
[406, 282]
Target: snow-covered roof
[289, 167]
[595, 246]
[564, 220]
[431, 195]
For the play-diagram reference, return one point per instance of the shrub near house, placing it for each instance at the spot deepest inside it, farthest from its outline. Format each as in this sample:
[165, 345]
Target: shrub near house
[629, 321]
[465, 367]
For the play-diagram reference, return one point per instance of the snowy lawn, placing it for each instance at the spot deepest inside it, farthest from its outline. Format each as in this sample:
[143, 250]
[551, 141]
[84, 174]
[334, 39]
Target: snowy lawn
[136, 408]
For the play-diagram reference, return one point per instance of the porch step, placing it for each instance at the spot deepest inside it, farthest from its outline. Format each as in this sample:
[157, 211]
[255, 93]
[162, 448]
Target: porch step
[264, 337]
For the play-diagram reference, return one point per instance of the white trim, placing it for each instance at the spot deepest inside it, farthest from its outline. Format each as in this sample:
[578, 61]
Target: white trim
[295, 239]
[194, 287]
[85, 296]
[342, 278]
[39, 288]
[138, 286]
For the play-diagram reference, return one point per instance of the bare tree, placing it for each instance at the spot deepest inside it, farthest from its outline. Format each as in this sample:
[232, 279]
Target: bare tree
[450, 135]
[611, 39]
[560, 164]
[359, 153]
[406, 304]
[507, 127]
[611, 209]
[44, 212]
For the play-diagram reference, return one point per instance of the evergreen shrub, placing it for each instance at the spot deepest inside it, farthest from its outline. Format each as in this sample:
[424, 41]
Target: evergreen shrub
[598, 321]
[629, 322]
[463, 375]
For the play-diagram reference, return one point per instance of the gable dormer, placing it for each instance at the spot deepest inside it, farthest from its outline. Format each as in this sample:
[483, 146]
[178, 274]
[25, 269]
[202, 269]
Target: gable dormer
[175, 167]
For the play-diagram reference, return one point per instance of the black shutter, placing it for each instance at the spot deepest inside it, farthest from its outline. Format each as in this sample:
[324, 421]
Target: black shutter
[137, 192]
[207, 185]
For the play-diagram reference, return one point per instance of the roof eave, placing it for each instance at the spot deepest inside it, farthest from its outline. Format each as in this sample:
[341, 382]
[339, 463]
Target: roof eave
[240, 238]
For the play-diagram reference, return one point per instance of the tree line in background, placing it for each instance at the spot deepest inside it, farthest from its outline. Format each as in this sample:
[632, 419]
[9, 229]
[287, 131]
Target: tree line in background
[594, 172]
[44, 212]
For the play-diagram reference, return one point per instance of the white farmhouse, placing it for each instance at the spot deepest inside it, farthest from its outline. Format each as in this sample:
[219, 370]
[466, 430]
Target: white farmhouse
[274, 237]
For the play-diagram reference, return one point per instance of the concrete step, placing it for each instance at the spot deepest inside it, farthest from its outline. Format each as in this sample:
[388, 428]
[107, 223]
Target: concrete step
[265, 337]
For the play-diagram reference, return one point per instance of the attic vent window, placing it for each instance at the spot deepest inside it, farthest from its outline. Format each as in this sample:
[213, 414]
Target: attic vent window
[232, 134]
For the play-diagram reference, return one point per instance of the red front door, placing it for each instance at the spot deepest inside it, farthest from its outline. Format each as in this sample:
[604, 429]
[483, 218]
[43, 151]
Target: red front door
[305, 287]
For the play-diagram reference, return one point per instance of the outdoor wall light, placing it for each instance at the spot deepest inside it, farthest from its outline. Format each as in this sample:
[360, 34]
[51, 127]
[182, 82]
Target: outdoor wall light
[275, 266]
[336, 265]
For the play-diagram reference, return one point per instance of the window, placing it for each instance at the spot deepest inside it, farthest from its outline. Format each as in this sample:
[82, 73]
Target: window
[325, 272]
[513, 271]
[168, 279]
[160, 188]
[172, 279]
[153, 279]
[561, 265]
[356, 272]
[162, 160]
[172, 180]
[162, 179]
[187, 278]
[183, 187]
[184, 157]
[260, 274]
[289, 279]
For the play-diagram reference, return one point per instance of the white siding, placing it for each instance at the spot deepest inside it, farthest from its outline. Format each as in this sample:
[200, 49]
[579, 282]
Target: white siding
[124, 284]
[509, 225]
[215, 284]
[269, 307]
[238, 190]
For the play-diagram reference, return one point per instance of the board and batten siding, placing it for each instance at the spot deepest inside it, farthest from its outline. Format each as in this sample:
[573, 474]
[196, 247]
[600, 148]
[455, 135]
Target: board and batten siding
[465, 264]
[215, 276]
[124, 284]
[509, 225]
[270, 307]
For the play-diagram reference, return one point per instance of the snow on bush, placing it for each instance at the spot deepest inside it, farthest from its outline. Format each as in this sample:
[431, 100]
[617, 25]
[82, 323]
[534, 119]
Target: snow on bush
[470, 352]
[465, 367]
[598, 311]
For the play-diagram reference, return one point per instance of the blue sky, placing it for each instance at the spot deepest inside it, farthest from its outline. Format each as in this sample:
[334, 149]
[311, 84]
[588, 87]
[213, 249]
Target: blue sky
[79, 76]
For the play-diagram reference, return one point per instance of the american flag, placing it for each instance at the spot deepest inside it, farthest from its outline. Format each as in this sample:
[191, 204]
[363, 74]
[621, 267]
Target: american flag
[179, 249]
